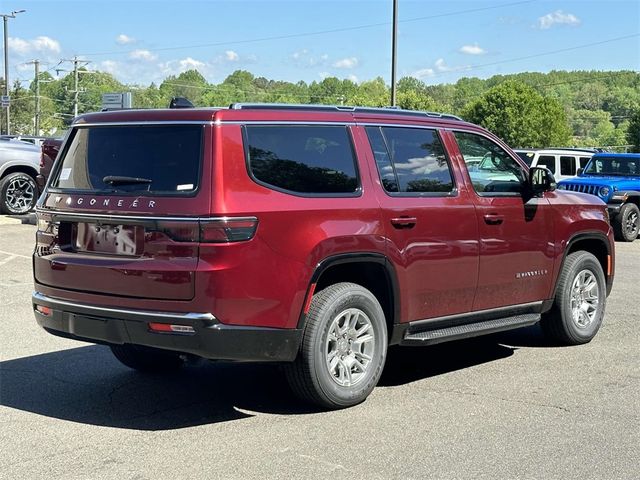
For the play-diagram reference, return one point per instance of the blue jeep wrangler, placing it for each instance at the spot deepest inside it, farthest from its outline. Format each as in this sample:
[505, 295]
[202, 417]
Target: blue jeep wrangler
[615, 178]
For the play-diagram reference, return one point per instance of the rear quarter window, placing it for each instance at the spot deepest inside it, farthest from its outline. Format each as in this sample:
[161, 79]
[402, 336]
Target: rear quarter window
[302, 159]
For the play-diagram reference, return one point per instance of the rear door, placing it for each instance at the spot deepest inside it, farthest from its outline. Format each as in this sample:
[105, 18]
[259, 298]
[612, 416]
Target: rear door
[516, 232]
[429, 222]
[121, 212]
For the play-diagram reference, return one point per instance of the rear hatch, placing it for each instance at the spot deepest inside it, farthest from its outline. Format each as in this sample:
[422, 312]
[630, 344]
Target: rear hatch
[121, 214]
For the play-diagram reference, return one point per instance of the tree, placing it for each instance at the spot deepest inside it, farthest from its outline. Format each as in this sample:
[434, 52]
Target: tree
[521, 116]
[633, 131]
[190, 84]
[413, 100]
[373, 93]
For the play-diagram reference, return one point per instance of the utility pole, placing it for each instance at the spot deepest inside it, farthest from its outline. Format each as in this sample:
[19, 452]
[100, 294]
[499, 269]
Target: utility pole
[5, 17]
[76, 73]
[36, 128]
[394, 45]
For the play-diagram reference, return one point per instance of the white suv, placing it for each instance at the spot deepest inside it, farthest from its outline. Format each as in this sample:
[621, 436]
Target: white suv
[563, 162]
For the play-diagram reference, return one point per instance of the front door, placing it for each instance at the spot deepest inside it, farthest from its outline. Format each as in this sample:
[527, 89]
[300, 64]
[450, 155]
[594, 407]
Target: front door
[515, 231]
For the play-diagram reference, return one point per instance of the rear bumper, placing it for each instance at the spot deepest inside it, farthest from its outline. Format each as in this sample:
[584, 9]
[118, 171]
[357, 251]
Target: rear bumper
[210, 338]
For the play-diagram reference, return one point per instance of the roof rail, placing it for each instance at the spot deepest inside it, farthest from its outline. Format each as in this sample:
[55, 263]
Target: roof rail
[341, 108]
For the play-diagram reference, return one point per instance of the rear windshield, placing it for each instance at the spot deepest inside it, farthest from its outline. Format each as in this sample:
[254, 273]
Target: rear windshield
[158, 159]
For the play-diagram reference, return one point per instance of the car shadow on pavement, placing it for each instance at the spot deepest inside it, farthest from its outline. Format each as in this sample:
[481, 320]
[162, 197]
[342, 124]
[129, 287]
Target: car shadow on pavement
[87, 385]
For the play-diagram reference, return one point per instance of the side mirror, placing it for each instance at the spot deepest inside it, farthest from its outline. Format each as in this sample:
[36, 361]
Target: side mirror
[541, 180]
[580, 170]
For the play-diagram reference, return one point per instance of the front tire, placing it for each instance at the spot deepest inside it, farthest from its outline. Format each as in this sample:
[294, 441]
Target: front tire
[627, 223]
[579, 304]
[343, 349]
[18, 193]
[147, 359]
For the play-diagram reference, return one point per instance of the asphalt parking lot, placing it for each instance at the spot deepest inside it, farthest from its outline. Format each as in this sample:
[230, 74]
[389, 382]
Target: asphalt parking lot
[505, 406]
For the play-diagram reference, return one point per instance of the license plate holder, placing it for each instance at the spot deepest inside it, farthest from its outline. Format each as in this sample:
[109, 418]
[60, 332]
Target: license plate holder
[109, 239]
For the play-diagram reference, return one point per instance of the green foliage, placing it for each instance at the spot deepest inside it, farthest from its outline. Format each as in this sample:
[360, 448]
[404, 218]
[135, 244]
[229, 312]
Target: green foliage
[559, 108]
[633, 131]
[520, 116]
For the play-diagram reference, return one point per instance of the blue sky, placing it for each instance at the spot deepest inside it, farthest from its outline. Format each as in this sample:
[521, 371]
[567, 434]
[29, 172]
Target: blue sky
[438, 41]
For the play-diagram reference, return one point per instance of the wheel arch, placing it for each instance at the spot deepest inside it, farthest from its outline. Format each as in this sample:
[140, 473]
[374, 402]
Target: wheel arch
[32, 172]
[596, 243]
[371, 270]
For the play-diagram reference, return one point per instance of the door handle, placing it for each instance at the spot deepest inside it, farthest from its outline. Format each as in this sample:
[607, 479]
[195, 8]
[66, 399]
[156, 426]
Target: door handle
[493, 219]
[404, 222]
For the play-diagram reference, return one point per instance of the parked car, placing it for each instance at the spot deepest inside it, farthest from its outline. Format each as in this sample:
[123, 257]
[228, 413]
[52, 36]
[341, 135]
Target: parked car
[50, 148]
[563, 162]
[614, 178]
[314, 236]
[19, 165]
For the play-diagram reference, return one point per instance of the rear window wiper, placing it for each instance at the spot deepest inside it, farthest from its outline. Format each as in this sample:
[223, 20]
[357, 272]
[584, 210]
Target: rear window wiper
[119, 180]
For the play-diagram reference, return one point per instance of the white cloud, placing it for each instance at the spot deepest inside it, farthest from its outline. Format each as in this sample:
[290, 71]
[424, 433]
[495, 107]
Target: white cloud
[109, 66]
[145, 55]
[190, 63]
[324, 75]
[40, 44]
[304, 58]
[474, 49]
[176, 67]
[349, 62]
[557, 18]
[423, 73]
[353, 78]
[123, 39]
[231, 56]
[441, 66]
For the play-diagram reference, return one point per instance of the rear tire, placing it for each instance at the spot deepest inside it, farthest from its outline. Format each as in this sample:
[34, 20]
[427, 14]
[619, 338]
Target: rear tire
[147, 359]
[18, 193]
[343, 349]
[627, 223]
[579, 304]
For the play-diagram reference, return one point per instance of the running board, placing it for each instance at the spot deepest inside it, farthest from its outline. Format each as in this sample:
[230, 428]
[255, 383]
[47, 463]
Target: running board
[430, 337]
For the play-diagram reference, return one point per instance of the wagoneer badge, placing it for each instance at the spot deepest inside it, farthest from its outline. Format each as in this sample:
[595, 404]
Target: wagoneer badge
[120, 202]
[532, 273]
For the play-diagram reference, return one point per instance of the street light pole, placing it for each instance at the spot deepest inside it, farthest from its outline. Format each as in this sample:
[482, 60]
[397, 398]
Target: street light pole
[394, 47]
[6, 16]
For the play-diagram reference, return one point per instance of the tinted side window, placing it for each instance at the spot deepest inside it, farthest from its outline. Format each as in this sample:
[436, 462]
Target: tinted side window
[526, 156]
[547, 161]
[584, 161]
[383, 160]
[491, 168]
[567, 165]
[307, 159]
[418, 160]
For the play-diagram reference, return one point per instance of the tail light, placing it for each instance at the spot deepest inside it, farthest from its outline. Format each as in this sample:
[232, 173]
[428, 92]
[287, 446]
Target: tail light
[216, 230]
[46, 235]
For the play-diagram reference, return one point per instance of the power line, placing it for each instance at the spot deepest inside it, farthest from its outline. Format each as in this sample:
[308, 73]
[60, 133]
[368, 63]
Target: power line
[318, 32]
[535, 55]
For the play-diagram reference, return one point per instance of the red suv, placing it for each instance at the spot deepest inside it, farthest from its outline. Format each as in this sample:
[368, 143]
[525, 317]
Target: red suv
[315, 236]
